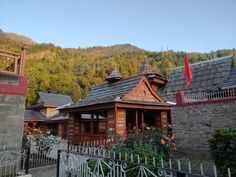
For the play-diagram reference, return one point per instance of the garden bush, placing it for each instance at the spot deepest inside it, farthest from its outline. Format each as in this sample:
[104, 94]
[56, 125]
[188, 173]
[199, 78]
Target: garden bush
[147, 146]
[223, 150]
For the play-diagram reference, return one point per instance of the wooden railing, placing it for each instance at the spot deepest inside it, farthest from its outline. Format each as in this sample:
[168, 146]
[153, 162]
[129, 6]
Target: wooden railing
[13, 63]
[88, 138]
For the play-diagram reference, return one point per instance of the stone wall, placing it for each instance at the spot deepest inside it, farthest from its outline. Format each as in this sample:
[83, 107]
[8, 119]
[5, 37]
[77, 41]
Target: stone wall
[12, 108]
[194, 124]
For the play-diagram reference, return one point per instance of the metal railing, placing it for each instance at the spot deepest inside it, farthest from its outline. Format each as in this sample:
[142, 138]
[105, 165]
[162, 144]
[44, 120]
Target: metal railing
[88, 161]
[40, 155]
[39, 158]
[212, 95]
[10, 161]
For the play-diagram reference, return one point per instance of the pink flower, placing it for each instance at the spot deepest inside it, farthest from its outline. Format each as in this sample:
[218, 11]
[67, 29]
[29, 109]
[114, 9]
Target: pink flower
[162, 142]
[166, 138]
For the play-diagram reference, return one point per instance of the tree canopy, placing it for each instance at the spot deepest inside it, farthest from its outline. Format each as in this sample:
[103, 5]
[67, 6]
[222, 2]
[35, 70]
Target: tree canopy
[74, 71]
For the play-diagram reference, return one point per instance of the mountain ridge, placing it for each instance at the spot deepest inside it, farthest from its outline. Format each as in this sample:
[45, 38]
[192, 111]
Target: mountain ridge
[18, 37]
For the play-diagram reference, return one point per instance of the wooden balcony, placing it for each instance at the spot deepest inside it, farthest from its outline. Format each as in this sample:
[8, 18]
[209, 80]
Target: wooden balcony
[12, 63]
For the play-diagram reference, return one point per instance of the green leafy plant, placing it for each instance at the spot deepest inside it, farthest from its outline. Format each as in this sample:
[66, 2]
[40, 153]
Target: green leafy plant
[223, 150]
[45, 142]
[25, 142]
[147, 146]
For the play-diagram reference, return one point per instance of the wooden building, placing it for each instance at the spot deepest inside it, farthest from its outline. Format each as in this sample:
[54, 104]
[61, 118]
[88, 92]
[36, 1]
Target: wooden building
[44, 114]
[123, 107]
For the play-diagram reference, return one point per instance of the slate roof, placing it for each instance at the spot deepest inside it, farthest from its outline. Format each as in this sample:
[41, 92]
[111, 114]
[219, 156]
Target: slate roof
[112, 92]
[207, 75]
[231, 81]
[53, 99]
[107, 92]
[30, 115]
[56, 117]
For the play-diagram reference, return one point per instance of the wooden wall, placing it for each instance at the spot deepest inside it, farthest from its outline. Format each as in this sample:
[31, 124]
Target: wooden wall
[74, 127]
[121, 123]
[141, 92]
[62, 130]
[111, 121]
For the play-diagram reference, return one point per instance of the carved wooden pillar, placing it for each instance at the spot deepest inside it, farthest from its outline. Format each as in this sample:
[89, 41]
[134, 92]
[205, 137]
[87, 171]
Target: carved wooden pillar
[136, 122]
[60, 130]
[77, 125]
[71, 127]
[143, 121]
[164, 121]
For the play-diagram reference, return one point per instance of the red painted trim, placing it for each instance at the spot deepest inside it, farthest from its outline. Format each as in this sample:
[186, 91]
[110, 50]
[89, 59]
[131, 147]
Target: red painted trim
[19, 89]
[206, 102]
[180, 98]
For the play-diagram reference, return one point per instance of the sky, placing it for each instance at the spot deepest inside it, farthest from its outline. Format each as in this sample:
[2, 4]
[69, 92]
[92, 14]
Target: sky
[155, 25]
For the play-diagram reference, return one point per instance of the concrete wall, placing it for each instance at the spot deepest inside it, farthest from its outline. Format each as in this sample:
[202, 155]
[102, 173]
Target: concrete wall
[194, 124]
[48, 171]
[11, 114]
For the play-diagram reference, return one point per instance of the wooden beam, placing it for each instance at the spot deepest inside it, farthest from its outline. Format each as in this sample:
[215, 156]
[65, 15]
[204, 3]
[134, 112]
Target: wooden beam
[15, 65]
[9, 53]
[161, 81]
[22, 62]
[90, 108]
[139, 106]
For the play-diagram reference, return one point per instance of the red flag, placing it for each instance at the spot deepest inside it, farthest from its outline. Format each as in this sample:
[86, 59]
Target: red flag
[188, 72]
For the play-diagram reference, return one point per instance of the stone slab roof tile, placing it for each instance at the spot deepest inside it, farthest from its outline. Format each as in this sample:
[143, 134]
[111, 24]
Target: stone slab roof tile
[206, 75]
[113, 92]
[53, 99]
[31, 115]
[107, 92]
[231, 81]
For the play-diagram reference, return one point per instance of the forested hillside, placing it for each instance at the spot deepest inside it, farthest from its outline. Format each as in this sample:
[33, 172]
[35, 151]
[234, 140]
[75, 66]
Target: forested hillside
[74, 71]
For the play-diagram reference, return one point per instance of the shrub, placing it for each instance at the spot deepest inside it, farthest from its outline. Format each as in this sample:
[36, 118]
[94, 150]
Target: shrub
[25, 142]
[148, 145]
[45, 142]
[223, 150]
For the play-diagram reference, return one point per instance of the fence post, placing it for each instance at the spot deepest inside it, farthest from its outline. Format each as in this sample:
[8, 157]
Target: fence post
[58, 162]
[27, 160]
